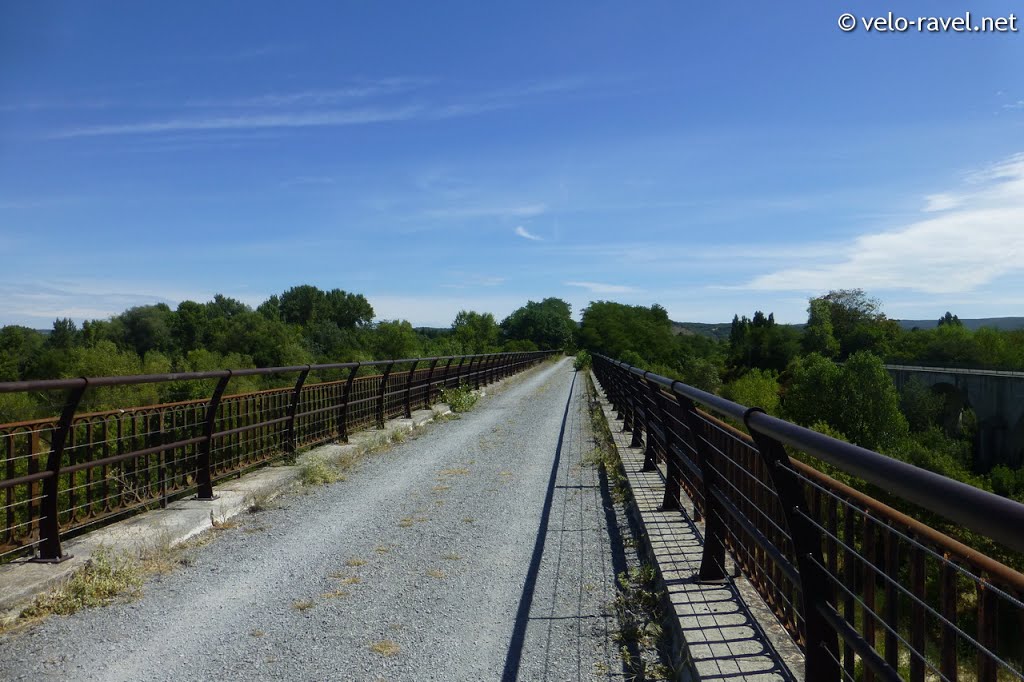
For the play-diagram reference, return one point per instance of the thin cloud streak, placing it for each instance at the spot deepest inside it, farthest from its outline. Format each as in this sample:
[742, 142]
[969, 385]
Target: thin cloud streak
[601, 288]
[522, 232]
[248, 122]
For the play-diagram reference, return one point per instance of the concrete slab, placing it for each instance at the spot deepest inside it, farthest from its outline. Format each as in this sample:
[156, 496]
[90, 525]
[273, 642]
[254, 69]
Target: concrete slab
[22, 580]
[721, 631]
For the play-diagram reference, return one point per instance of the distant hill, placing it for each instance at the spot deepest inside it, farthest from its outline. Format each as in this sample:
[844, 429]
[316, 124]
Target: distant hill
[717, 331]
[1002, 323]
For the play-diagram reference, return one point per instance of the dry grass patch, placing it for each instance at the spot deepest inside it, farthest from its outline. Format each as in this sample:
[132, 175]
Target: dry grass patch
[355, 562]
[468, 519]
[436, 573]
[336, 594]
[104, 578]
[385, 647]
[440, 488]
[382, 549]
[455, 471]
[406, 522]
[257, 633]
[351, 580]
[451, 556]
[303, 604]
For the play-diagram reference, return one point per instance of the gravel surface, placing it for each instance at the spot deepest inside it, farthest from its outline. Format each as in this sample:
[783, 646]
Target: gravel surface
[479, 550]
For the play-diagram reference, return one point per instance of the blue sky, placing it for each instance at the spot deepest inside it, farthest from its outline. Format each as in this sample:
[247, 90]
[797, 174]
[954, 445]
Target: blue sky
[441, 156]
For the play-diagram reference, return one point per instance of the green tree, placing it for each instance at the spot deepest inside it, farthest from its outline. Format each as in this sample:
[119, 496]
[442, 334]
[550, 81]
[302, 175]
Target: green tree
[476, 332]
[395, 340]
[19, 347]
[756, 388]
[819, 336]
[303, 304]
[148, 328]
[548, 324]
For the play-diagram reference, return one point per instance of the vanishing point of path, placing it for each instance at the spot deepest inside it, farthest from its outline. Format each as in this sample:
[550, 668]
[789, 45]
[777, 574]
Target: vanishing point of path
[479, 550]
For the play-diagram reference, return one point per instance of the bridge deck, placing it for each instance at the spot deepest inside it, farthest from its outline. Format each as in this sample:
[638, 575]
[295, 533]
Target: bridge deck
[481, 549]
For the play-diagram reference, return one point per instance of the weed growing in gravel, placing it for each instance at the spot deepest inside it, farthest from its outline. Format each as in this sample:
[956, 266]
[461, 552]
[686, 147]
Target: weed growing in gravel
[468, 519]
[436, 573]
[348, 580]
[461, 399]
[382, 549]
[448, 473]
[384, 647]
[451, 557]
[303, 604]
[440, 488]
[335, 594]
[319, 472]
[256, 502]
[257, 633]
[406, 522]
[103, 578]
[399, 436]
[221, 521]
[355, 562]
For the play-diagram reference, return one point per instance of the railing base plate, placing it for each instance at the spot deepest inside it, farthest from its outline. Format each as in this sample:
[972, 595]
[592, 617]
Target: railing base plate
[59, 560]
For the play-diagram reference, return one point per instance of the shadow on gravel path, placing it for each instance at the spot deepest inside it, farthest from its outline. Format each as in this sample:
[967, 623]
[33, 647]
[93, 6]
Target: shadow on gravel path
[515, 649]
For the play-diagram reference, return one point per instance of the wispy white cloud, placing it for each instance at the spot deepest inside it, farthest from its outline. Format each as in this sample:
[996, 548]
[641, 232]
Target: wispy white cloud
[247, 122]
[601, 288]
[313, 97]
[487, 211]
[522, 232]
[1019, 104]
[966, 246]
[940, 202]
[309, 108]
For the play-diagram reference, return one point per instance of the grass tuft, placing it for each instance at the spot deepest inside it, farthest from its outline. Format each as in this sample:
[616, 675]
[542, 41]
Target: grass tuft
[385, 647]
[317, 471]
[103, 578]
[303, 604]
[436, 573]
[461, 399]
[355, 562]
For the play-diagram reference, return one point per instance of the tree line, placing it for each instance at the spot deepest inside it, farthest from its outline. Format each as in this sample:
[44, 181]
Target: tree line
[828, 375]
[303, 325]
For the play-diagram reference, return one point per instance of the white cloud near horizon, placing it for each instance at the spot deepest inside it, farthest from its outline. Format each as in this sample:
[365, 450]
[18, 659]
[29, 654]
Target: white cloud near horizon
[601, 288]
[963, 241]
[525, 234]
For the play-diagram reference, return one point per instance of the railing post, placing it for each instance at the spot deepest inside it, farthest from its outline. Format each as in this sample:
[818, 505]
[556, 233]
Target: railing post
[408, 390]
[458, 372]
[430, 384]
[712, 564]
[49, 522]
[293, 408]
[382, 394]
[650, 454]
[476, 375]
[817, 592]
[204, 467]
[343, 426]
[672, 488]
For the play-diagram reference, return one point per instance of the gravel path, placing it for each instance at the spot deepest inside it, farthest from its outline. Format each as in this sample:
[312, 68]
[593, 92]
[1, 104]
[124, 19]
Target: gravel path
[480, 550]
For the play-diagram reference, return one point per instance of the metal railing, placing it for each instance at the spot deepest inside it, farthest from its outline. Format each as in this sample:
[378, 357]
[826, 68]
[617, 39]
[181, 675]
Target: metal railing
[60, 475]
[867, 591]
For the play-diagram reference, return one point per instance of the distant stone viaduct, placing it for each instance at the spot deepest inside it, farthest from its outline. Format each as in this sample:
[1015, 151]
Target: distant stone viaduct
[996, 397]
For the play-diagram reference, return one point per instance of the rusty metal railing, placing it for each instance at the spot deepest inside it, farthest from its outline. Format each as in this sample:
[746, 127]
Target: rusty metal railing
[867, 591]
[60, 475]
